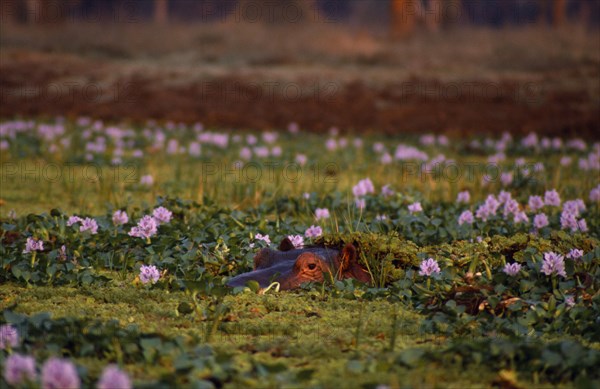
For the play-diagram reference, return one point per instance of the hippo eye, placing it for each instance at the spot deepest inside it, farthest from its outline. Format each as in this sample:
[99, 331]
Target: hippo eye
[312, 266]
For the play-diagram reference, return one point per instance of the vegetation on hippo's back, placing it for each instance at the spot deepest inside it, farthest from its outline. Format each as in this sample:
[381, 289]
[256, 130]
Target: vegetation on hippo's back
[497, 275]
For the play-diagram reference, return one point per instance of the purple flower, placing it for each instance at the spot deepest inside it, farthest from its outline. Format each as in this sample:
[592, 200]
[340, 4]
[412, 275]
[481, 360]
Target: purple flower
[553, 264]
[575, 254]
[301, 159]
[313, 232]
[245, 153]
[511, 207]
[360, 203]
[488, 208]
[521, 217]
[504, 196]
[90, 225]
[363, 187]
[162, 215]
[465, 217]
[331, 144]
[146, 228]
[33, 245]
[120, 218]
[321, 213]
[113, 378]
[506, 178]
[582, 224]
[428, 267]
[595, 194]
[59, 374]
[380, 217]
[540, 221]
[264, 238]
[415, 207]
[512, 269]
[147, 180]
[463, 197]
[297, 241]
[387, 191]
[149, 274]
[535, 203]
[551, 197]
[9, 337]
[570, 301]
[73, 219]
[18, 369]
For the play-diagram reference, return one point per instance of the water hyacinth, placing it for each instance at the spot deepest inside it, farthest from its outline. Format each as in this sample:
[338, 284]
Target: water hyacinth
[321, 213]
[387, 191]
[147, 180]
[264, 238]
[360, 203]
[488, 208]
[595, 194]
[535, 203]
[9, 336]
[162, 215]
[297, 241]
[59, 373]
[512, 269]
[466, 217]
[73, 219]
[149, 274]
[520, 217]
[32, 245]
[89, 224]
[552, 198]
[113, 378]
[364, 187]
[463, 197]
[553, 264]
[120, 217]
[19, 369]
[313, 232]
[415, 207]
[540, 221]
[429, 267]
[575, 254]
[146, 228]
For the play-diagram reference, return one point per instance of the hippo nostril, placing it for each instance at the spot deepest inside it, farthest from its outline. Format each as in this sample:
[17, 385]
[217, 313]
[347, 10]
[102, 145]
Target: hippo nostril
[312, 266]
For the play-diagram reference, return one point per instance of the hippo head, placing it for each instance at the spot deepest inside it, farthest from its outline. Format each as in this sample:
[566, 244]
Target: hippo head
[292, 267]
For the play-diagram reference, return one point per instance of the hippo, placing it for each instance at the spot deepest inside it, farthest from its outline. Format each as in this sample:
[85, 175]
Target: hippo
[292, 267]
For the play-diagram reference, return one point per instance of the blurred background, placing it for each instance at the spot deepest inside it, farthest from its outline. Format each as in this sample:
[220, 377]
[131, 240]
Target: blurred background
[452, 66]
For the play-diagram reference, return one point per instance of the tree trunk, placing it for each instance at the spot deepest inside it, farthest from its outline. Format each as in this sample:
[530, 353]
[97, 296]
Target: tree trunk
[161, 11]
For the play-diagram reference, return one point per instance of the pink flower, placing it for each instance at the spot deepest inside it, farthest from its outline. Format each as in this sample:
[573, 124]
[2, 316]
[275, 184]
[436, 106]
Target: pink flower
[19, 369]
[321, 213]
[297, 241]
[415, 207]
[551, 197]
[360, 203]
[506, 178]
[73, 219]
[535, 203]
[147, 180]
[387, 191]
[595, 194]
[59, 373]
[429, 267]
[520, 217]
[512, 269]
[120, 217]
[540, 221]
[553, 264]
[363, 187]
[466, 217]
[264, 238]
[313, 232]
[33, 245]
[575, 254]
[331, 144]
[9, 337]
[89, 224]
[113, 378]
[146, 228]
[162, 215]
[301, 159]
[463, 197]
[149, 274]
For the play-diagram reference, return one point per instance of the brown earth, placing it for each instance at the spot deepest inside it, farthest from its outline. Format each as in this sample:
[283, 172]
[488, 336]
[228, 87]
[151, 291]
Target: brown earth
[44, 84]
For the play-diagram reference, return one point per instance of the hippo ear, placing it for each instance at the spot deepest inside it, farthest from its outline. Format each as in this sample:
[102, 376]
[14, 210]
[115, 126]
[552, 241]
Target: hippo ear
[349, 257]
[286, 245]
